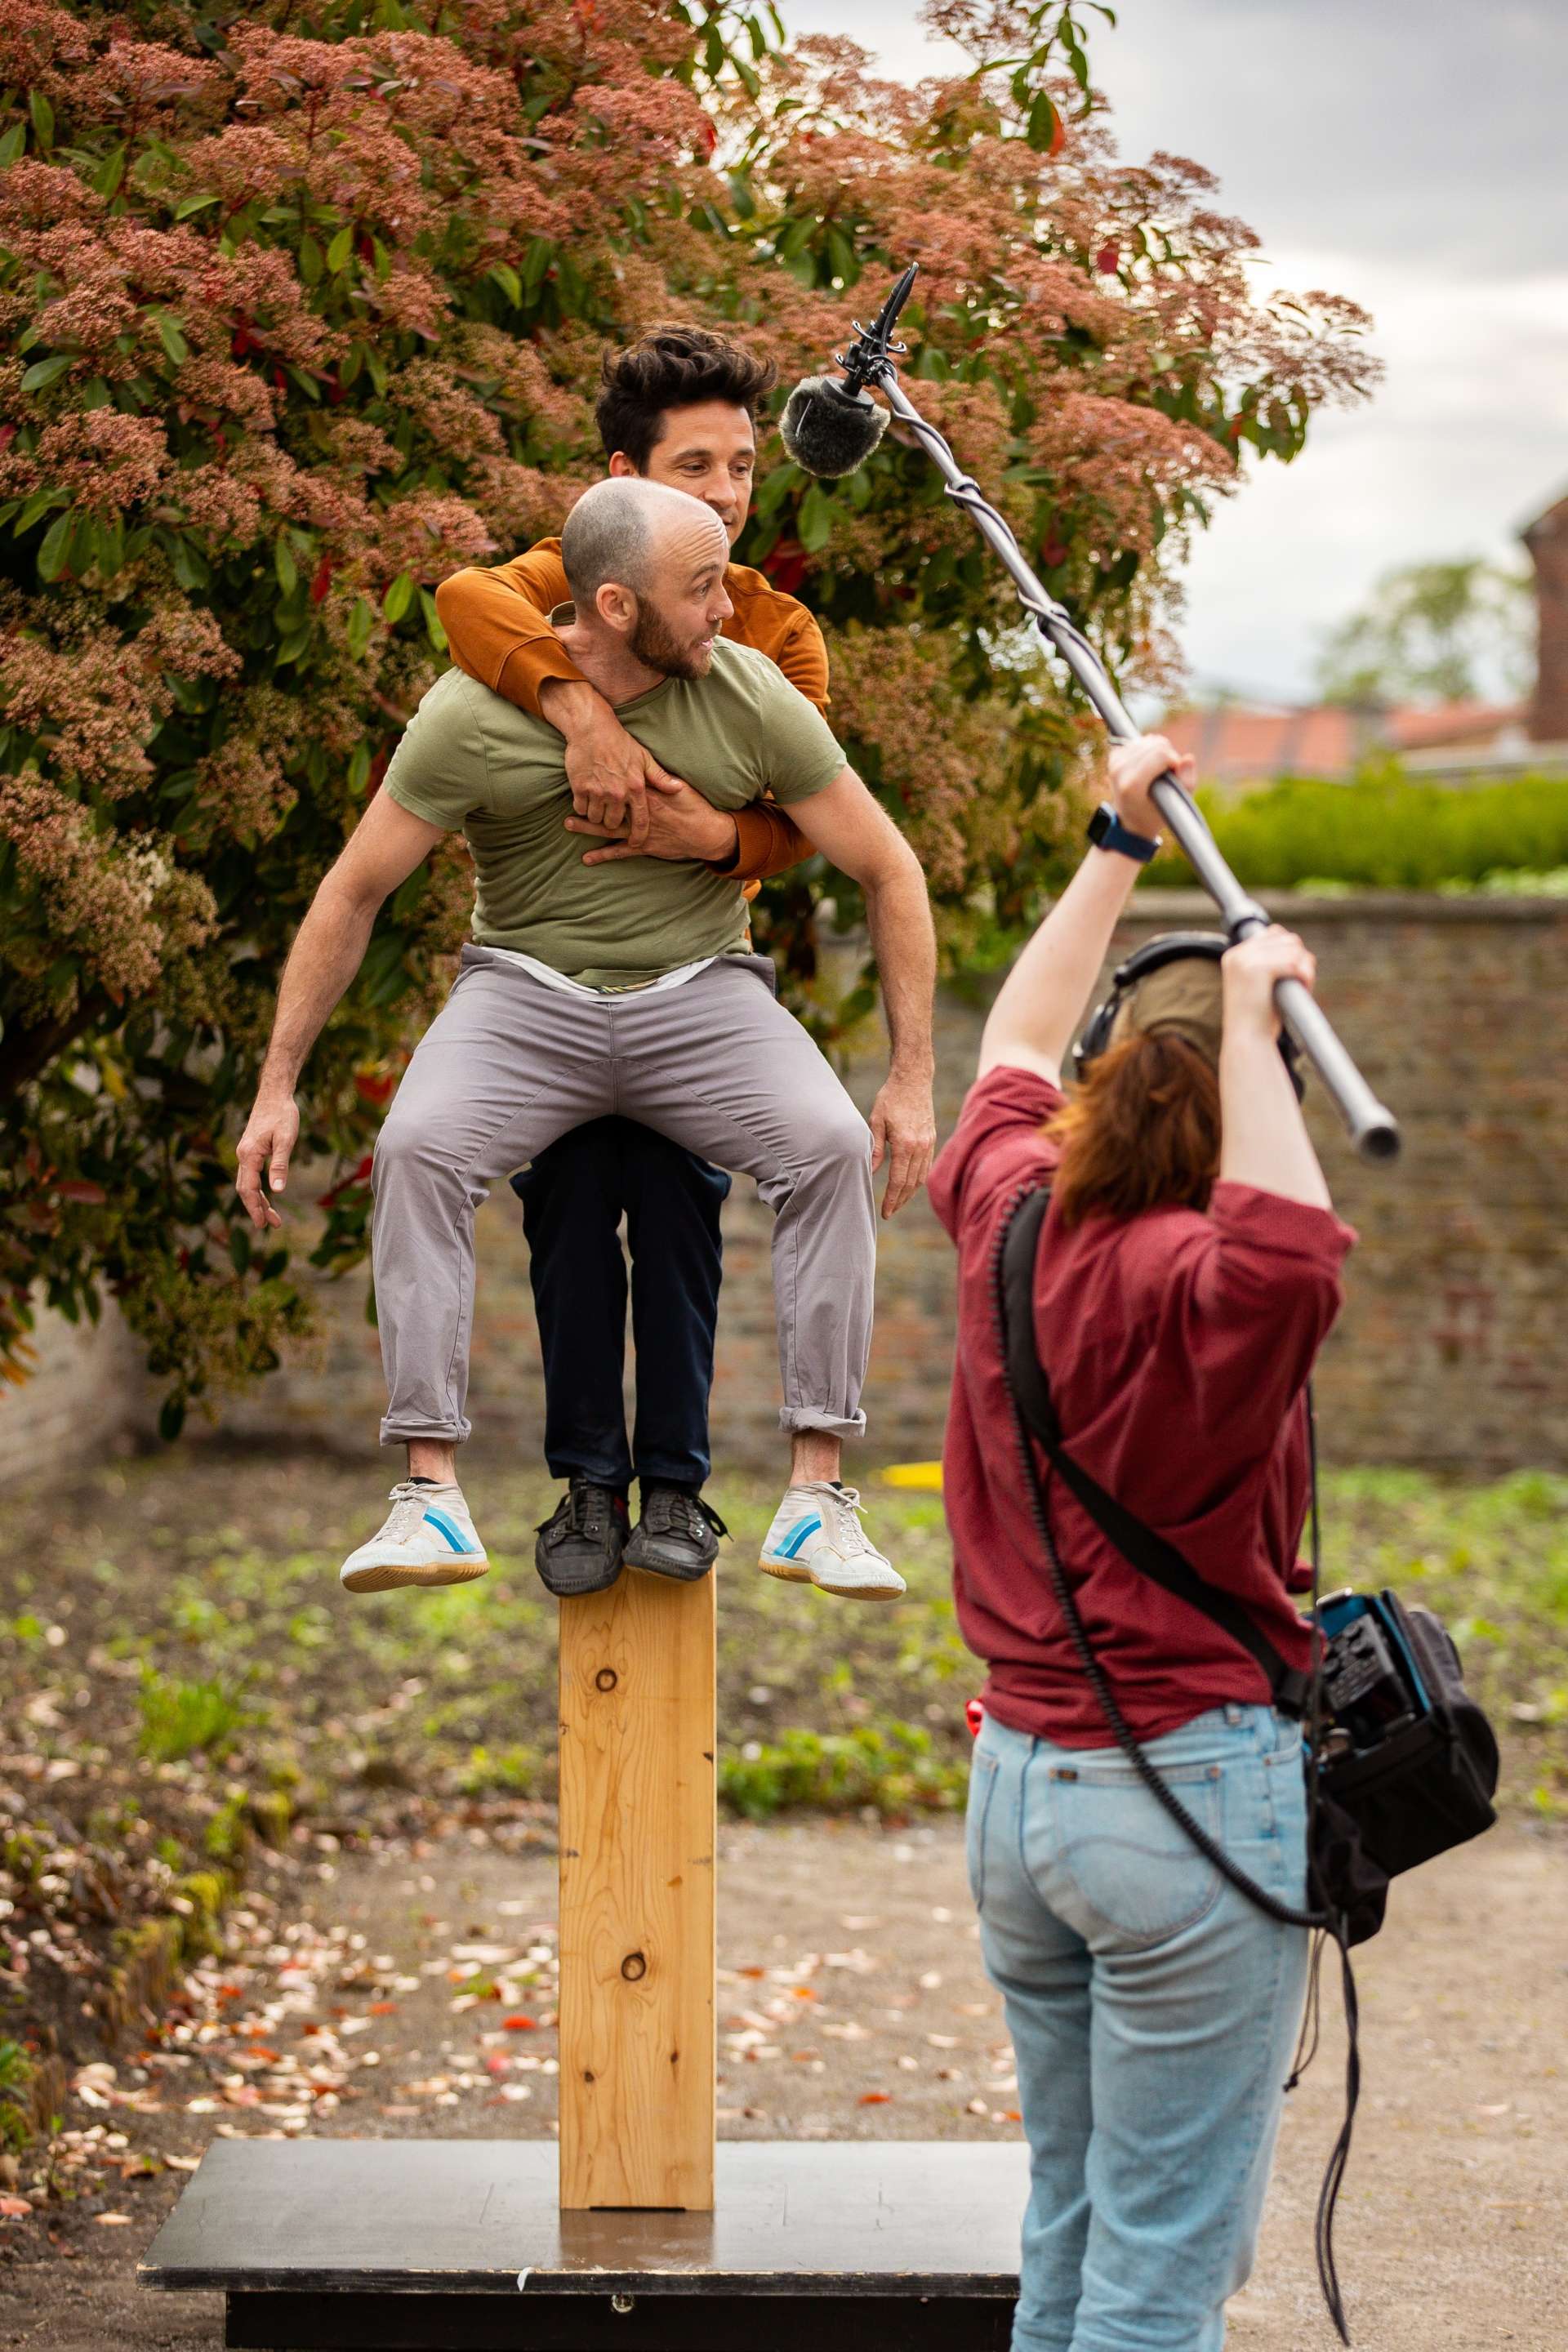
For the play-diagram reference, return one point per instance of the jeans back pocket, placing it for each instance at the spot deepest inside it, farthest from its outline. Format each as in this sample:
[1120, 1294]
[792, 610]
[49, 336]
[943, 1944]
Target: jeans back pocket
[1135, 1871]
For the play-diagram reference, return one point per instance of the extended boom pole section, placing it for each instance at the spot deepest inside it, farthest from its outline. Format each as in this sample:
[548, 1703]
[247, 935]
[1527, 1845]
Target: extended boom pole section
[869, 360]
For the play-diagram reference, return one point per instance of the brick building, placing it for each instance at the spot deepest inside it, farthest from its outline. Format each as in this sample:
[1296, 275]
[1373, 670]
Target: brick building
[1546, 540]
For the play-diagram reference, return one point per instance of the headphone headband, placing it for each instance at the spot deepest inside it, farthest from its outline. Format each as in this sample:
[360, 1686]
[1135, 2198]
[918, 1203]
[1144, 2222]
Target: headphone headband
[1170, 947]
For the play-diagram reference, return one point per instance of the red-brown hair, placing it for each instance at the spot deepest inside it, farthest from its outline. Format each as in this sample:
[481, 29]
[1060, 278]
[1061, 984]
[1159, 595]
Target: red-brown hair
[1142, 1132]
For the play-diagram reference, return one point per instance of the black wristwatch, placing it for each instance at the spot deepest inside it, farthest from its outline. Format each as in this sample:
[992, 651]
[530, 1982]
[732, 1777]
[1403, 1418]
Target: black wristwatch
[1107, 831]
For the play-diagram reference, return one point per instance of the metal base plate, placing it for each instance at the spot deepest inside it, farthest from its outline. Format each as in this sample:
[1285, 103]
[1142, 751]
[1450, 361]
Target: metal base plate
[460, 2246]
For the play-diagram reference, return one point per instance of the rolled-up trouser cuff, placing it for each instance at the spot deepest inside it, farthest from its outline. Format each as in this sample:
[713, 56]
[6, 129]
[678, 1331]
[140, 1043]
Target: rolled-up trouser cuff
[440, 1433]
[812, 1416]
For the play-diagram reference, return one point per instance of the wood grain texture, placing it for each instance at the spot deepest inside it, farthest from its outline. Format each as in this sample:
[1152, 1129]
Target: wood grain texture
[637, 1829]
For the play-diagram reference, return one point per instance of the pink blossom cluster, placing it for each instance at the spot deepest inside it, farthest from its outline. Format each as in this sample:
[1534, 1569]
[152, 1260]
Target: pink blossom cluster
[114, 900]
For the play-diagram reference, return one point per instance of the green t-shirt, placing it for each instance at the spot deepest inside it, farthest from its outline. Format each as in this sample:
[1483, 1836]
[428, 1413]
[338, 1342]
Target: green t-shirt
[470, 758]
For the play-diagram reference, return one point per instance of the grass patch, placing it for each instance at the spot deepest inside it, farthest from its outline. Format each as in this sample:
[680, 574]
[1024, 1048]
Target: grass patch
[180, 1719]
[15, 2081]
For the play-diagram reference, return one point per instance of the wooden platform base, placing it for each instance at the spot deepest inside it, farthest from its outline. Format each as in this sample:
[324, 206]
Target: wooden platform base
[460, 2246]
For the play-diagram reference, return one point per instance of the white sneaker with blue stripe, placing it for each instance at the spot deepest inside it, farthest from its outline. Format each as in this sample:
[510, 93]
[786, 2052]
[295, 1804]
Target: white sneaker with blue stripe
[816, 1537]
[428, 1539]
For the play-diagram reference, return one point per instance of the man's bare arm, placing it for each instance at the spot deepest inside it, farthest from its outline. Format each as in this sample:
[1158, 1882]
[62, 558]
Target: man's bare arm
[328, 948]
[857, 837]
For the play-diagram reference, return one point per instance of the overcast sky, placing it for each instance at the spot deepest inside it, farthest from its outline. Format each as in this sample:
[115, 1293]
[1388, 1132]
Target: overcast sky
[1409, 154]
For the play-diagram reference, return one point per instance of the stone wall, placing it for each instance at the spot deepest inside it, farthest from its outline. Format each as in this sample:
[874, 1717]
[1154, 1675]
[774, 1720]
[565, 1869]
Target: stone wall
[85, 1398]
[1453, 1350]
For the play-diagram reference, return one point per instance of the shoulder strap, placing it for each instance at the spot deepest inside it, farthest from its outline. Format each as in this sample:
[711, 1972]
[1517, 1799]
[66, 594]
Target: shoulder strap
[1140, 1546]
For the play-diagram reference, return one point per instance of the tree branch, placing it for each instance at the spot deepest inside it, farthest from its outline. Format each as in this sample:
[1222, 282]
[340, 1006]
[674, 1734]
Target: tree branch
[25, 1053]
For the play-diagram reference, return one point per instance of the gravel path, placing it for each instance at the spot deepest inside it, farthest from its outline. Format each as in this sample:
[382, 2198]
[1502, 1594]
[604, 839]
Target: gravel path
[411, 1991]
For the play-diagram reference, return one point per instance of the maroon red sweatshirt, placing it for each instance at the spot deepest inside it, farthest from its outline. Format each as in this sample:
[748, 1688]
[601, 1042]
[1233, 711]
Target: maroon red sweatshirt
[1177, 1345]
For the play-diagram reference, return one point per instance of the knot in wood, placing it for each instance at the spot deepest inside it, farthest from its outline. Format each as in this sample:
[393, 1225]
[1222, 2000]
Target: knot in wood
[633, 1966]
[605, 1679]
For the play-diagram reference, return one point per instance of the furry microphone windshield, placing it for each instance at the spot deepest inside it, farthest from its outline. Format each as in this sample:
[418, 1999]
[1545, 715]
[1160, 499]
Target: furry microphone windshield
[829, 430]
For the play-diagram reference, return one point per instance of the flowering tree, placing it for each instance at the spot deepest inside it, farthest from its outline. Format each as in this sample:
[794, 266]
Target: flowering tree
[304, 309]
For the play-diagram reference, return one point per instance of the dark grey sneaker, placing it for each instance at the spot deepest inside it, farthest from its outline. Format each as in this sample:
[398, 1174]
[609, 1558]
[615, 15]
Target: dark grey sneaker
[582, 1543]
[678, 1534]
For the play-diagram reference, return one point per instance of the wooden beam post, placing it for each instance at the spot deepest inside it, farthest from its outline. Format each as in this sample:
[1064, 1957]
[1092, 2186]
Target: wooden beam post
[637, 1827]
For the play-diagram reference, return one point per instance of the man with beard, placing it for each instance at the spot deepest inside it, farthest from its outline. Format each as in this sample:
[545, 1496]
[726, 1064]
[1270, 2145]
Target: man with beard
[626, 987]
[682, 405]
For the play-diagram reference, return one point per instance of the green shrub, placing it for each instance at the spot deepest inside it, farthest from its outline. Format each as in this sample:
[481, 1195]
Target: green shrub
[892, 1767]
[1384, 834]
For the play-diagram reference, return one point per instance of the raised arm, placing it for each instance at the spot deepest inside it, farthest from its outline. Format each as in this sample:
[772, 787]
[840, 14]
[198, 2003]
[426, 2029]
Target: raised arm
[383, 849]
[1047, 993]
[1263, 1136]
[857, 836]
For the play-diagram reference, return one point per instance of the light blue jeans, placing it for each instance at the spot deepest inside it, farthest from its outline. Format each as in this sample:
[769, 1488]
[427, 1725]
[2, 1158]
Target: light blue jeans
[1154, 2011]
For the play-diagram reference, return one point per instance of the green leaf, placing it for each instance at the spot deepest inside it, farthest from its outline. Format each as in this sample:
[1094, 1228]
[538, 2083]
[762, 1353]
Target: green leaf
[110, 172]
[341, 251]
[40, 504]
[283, 563]
[399, 596]
[87, 545]
[433, 629]
[13, 143]
[538, 262]
[292, 646]
[44, 372]
[813, 518]
[239, 1247]
[56, 539]
[189, 565]
[311, 263]
[362, 620]
[42, 115]
[1041, 126]
[193, 204]
[359, 769]
[168, 335]
[504, 275]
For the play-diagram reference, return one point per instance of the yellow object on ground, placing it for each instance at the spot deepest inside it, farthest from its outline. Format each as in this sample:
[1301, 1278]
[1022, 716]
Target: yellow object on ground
[922, 1478]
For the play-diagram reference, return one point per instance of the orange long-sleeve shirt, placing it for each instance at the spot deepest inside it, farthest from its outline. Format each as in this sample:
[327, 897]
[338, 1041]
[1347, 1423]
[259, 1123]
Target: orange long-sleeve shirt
[497, 624]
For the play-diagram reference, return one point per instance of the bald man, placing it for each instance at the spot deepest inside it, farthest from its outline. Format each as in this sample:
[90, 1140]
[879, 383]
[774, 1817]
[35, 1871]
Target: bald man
[625, 987]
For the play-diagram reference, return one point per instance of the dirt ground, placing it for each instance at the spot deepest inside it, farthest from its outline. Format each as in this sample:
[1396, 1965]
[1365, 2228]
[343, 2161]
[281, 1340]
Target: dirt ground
[852, 2006]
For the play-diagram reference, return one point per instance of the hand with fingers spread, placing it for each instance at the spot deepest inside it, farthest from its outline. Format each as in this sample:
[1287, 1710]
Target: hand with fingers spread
[682, 825]
[1252, 970]
[903, 1135]
[270, 1134]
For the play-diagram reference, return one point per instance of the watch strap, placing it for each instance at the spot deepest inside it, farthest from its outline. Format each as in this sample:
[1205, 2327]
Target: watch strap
[1107, 831]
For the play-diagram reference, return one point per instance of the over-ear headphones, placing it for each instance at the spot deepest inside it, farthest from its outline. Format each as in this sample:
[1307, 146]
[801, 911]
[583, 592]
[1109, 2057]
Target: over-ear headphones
[1170, 947]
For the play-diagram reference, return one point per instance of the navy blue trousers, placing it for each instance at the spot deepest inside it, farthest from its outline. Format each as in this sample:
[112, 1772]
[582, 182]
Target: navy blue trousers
[573, 1197]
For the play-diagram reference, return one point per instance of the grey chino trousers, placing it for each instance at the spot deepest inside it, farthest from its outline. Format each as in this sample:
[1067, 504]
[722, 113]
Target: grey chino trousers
[509, 1064]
